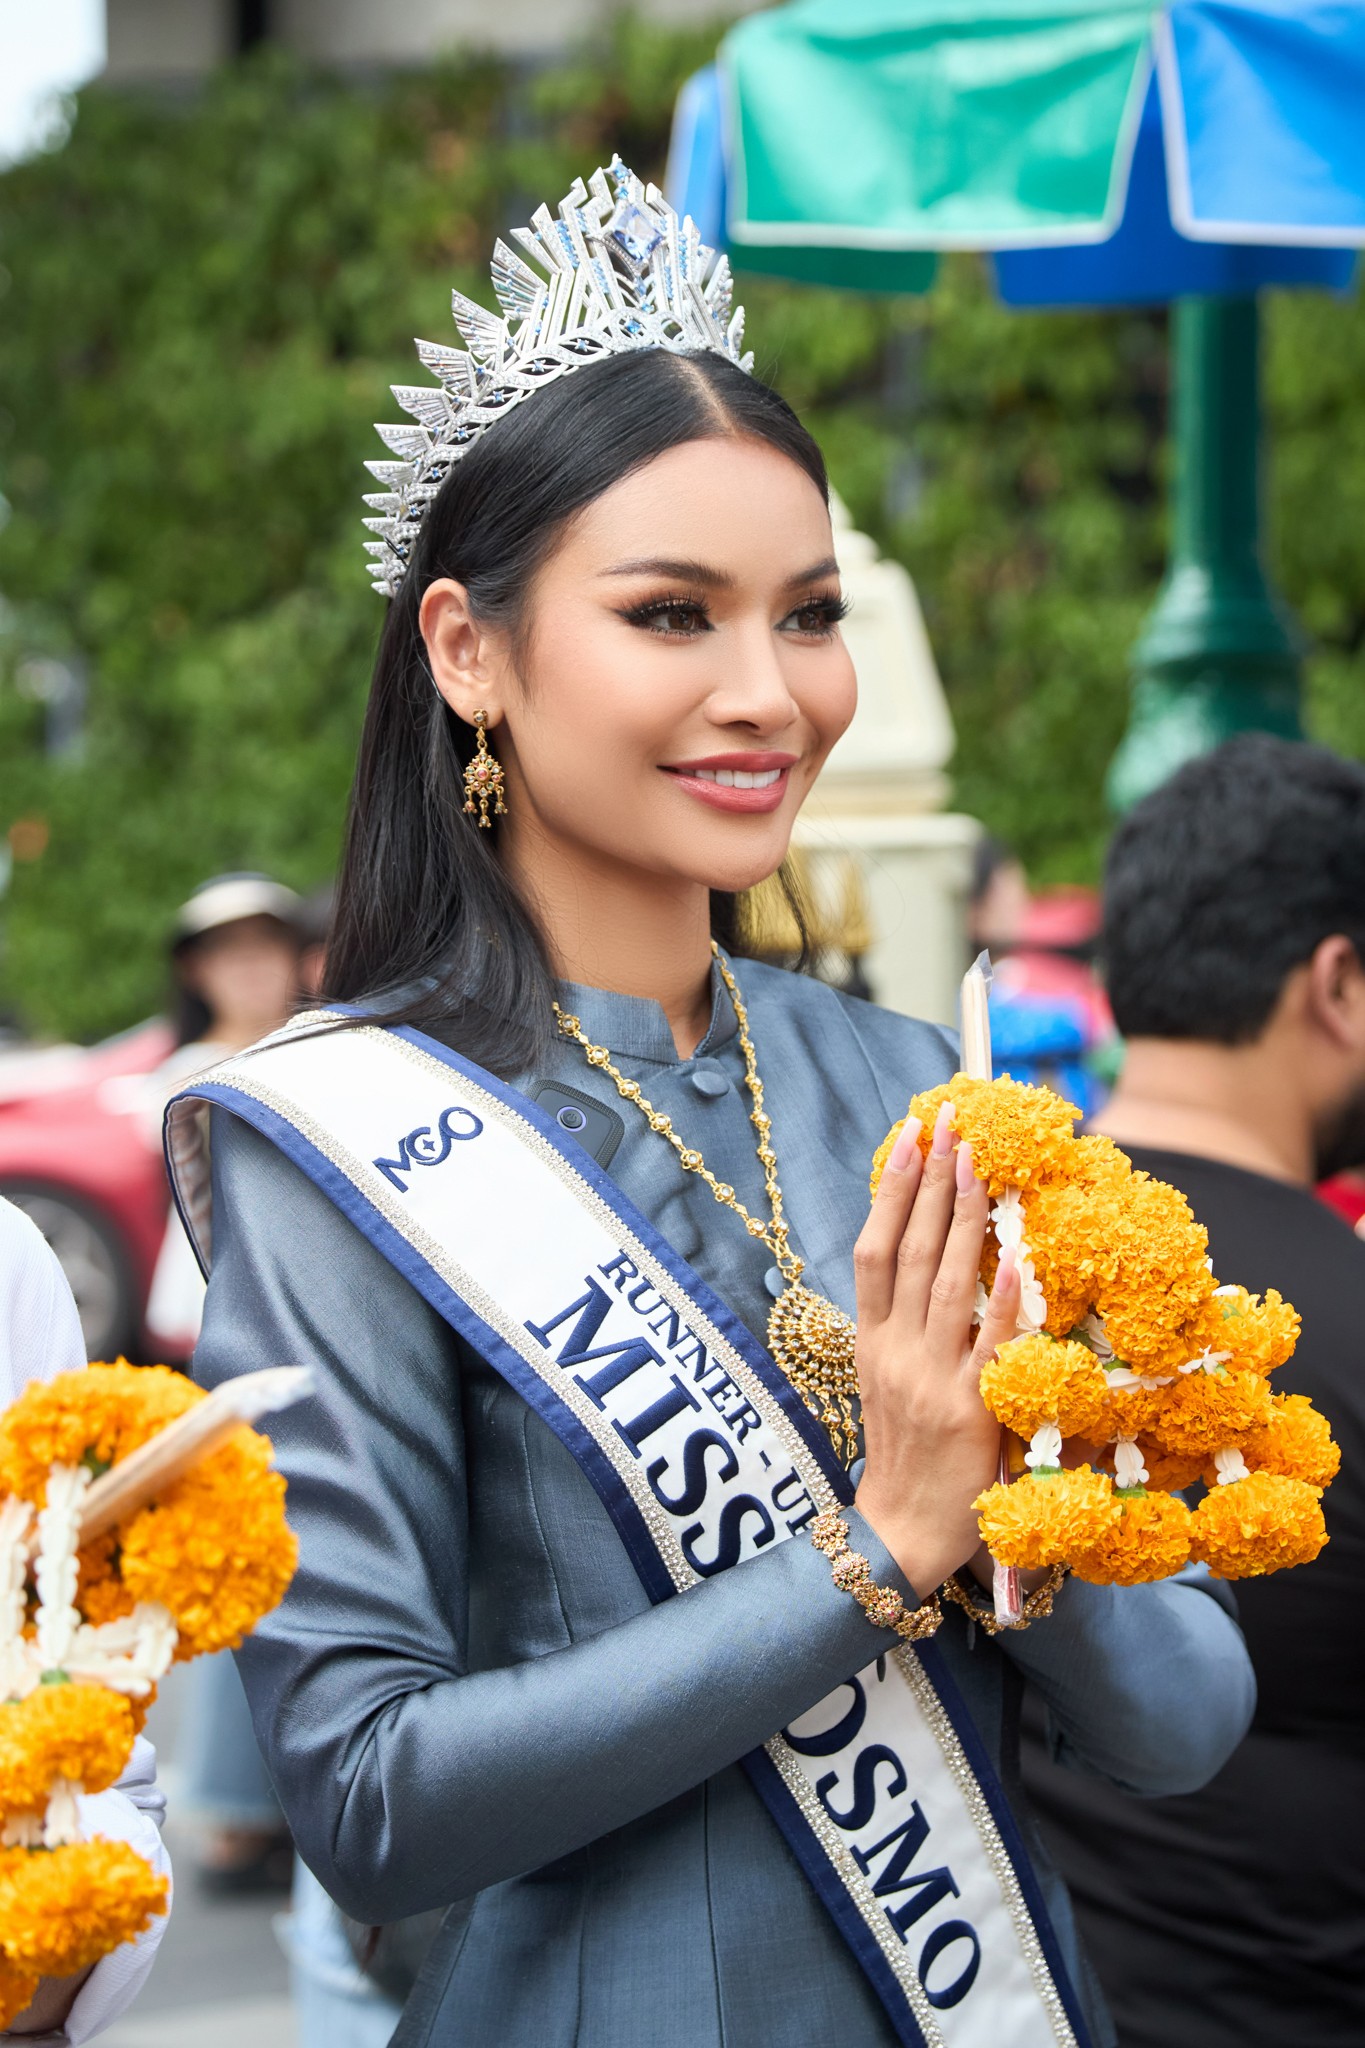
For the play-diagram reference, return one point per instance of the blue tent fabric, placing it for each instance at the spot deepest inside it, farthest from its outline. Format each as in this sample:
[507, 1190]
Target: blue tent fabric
[1146, 262]
[1273, 100]
[695, 178]
[1248, 168]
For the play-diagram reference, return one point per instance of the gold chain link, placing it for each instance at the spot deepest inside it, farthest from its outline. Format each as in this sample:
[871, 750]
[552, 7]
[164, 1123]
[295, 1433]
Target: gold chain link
[775, 1234]
[811, 1340]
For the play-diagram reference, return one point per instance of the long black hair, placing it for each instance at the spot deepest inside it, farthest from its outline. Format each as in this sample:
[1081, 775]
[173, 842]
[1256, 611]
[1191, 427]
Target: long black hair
[427, 920]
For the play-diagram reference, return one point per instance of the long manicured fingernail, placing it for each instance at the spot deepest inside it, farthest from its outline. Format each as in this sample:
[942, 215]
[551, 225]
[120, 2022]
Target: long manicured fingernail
[943, 1131]
[965, 1175]
[1004, 1272]
[905, 1145]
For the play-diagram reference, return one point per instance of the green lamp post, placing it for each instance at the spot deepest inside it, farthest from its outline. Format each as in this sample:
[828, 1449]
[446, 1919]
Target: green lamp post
[1220, 651]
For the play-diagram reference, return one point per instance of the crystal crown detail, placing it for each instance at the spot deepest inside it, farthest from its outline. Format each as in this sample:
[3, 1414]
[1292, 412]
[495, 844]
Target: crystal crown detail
[621, 272]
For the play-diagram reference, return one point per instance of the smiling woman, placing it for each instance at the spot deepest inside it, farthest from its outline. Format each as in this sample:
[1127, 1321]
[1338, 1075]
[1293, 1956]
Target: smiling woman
[610, 1631]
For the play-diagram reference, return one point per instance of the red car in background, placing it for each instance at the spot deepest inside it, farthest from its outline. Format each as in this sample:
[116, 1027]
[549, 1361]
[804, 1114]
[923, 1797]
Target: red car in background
[80, 1152]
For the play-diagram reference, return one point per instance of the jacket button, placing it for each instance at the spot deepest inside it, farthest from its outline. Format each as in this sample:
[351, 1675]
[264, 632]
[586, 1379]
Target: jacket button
[707, 1081]
[774, 1281]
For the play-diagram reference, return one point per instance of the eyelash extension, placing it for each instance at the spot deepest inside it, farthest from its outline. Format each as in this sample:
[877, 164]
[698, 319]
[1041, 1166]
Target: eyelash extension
[830, 610]
[657, 607]
[833, 610]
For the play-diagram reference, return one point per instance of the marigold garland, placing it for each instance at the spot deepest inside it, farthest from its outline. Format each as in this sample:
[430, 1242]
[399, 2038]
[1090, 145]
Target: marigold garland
[1262, 1523]
[1143, 1361]
[1150, 1540]
[62, 1909]
[191, 1572]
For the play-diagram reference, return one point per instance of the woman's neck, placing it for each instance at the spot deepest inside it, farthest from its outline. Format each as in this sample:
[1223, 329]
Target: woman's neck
[634, 934]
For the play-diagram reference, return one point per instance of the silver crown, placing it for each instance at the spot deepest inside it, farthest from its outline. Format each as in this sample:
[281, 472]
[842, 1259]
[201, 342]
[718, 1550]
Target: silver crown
[621, 272]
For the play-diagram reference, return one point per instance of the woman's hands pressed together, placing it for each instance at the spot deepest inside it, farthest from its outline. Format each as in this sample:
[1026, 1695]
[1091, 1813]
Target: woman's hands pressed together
[932, 1445]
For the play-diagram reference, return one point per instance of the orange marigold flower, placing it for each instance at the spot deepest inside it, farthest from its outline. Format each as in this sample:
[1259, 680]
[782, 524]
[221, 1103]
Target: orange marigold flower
[1150, 1541]
[1020, 1135]
[1098, 1162]
[81, 1732]
[1047, 1518]
[62, 1909]
[1258, 1524]
[215, 1548]
[1297, 1442]
[1033, 1380]
[1260, 1334]
[1204, 1412]
[99, 1415]
[1064, 1233]
[1154, 1275]
[16, 1990]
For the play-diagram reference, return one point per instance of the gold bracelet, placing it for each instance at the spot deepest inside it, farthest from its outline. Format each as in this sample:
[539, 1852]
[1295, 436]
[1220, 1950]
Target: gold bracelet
[852, 1573]
[1036, 1608]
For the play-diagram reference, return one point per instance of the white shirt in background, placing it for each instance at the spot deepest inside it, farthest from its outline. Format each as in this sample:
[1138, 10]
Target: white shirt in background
[40, 1336]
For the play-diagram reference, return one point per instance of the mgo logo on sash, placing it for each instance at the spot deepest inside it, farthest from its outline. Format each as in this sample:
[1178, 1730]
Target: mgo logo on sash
[724, 1495]
[854, 1765]
[423, 1147]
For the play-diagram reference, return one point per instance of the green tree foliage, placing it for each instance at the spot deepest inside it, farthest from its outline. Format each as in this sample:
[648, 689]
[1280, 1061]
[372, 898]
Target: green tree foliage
[203, 304]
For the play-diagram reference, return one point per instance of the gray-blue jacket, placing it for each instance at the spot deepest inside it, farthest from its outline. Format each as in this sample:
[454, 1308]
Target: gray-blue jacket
[466, 1698]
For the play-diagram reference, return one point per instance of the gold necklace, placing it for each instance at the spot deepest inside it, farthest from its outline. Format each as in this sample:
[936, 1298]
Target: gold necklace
[810, 1338]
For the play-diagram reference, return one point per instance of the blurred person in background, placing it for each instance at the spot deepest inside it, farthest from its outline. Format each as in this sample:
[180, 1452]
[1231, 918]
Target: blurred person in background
[1234, 935]
[999, 896]
[40, 1337]
[236, 955]
[237, 952]
[1050, 1020]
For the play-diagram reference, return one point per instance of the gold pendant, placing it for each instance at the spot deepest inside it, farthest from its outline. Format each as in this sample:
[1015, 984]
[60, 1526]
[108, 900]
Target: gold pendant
[813, 1342]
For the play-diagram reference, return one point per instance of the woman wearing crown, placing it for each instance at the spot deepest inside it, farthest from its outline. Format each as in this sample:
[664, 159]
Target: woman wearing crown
[615, 1627]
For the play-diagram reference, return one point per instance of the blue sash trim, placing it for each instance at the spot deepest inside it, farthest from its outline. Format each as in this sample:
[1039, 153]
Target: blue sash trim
[616, 1498]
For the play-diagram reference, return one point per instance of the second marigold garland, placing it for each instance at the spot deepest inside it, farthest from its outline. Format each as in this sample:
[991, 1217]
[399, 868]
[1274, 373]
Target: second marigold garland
[140, 1524]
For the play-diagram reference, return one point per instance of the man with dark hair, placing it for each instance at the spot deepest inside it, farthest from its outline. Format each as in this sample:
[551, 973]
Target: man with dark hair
[1234, 937]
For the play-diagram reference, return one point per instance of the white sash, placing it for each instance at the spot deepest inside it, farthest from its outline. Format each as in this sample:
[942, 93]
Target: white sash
[703, 1456]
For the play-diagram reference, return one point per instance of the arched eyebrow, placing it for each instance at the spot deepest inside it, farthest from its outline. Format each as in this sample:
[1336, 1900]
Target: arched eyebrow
[708, 576]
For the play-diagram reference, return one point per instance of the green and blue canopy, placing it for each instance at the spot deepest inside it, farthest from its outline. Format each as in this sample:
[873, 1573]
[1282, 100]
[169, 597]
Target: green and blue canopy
[1103, 151]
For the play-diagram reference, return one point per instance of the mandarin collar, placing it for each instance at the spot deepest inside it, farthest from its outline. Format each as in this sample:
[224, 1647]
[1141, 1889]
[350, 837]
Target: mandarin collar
[635, 1027]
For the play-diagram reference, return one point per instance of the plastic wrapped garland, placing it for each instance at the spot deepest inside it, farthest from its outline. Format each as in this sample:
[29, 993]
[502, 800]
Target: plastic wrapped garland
[1133, 1374]
[88, 1625]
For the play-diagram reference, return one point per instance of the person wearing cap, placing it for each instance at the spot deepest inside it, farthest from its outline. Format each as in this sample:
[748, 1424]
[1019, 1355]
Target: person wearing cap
[236, 954]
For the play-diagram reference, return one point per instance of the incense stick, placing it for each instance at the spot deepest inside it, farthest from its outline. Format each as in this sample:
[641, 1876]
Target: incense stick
[157, 1464]
[976, 1062]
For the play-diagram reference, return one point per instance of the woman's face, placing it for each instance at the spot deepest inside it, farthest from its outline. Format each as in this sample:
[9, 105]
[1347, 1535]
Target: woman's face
[681, 678]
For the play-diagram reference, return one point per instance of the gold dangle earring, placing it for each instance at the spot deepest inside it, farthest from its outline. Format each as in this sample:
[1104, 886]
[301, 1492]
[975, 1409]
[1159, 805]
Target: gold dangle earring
[483, 777]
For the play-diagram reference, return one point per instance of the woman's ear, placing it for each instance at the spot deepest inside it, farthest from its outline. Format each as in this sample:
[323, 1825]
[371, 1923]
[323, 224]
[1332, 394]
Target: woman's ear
[468, 663]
